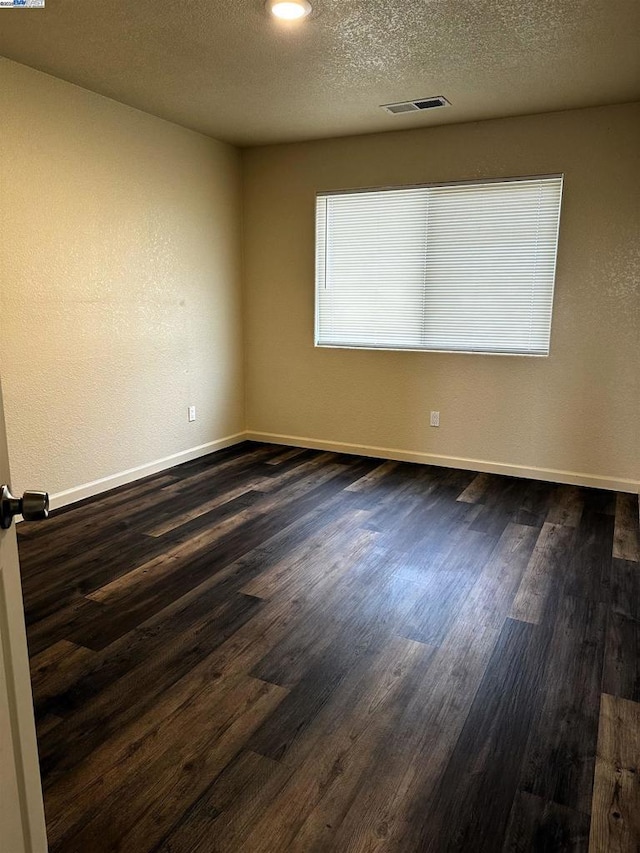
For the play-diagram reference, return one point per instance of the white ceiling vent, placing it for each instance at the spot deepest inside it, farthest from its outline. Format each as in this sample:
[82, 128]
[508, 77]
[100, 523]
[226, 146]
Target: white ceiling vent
[432, 103]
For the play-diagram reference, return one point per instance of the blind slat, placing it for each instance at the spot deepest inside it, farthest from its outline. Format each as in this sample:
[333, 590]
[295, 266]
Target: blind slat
[468, 267]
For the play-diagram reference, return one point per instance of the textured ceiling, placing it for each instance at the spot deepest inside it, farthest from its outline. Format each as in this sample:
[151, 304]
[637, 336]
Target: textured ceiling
[232, 72]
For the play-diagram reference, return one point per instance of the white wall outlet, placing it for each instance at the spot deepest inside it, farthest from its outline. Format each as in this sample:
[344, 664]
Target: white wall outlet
[192, 414]
[435, 419]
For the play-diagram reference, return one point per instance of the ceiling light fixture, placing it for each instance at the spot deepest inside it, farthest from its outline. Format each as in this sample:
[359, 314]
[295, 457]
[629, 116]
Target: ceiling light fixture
[289, 10]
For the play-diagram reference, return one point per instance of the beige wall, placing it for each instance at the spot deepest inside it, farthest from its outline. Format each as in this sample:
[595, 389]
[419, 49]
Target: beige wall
[576, 412]
[120, 296]
[120, 299]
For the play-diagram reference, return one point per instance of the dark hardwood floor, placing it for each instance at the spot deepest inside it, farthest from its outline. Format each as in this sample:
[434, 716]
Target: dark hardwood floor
[279, 649]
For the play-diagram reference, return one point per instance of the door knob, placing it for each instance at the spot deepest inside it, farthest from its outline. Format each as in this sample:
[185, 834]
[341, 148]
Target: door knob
[33, 506]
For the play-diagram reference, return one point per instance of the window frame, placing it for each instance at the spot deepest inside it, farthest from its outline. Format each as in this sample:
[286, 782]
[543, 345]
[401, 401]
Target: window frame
[435, 184]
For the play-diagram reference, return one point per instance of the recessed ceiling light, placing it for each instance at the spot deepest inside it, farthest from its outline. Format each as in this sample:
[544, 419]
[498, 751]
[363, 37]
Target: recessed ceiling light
[289, 10]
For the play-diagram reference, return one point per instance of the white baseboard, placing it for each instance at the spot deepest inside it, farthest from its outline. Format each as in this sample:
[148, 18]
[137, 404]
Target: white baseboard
[96, 487]
[552, 475]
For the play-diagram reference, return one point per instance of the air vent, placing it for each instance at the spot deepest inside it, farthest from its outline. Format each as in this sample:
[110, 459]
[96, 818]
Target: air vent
[409, 107]
[432, 103]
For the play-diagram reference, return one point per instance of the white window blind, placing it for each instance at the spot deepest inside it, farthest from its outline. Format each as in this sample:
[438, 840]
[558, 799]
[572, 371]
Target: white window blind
[462, 267]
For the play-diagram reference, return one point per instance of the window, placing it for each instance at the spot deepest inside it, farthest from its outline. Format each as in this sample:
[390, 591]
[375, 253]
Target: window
[466, 267]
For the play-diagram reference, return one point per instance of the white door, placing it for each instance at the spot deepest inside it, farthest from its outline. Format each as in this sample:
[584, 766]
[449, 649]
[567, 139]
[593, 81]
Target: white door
[22, 827]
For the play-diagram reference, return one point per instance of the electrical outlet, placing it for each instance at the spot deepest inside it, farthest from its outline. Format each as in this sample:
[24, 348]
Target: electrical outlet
[435, 419]
[192, 414]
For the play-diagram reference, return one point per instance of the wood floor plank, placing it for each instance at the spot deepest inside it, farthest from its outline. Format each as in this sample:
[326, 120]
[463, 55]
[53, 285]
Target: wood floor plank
[310, 806]
[540, 826]
[476, 489]
[600, 501]
[535, 504]
[426, 523]
[411, 760]
[286, 455]
[181, 759]
[626, 539]
[44, 724]
[61, 624]
[615, 814]
[399, 493]
[621, 676]
[561, 754]
[81, 517]
[543, 574]
[373, 478]
[625, 588]
[491, 597]
[316, 651]
[340, 602]
[204, 754]
[96, 714]
[211, 470]
[101, 530]
[87, 570]
[297, 473]
[445, 586]
[502, 500]
[173, 520]
[566, 506]
[472, 803]
[133, 742]
[135, 583]
[588, 573]
[181, 502]
[226, 812]
[55, 670]
[326, 554]
[175, 631]
[70, 526]
[315, 678]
